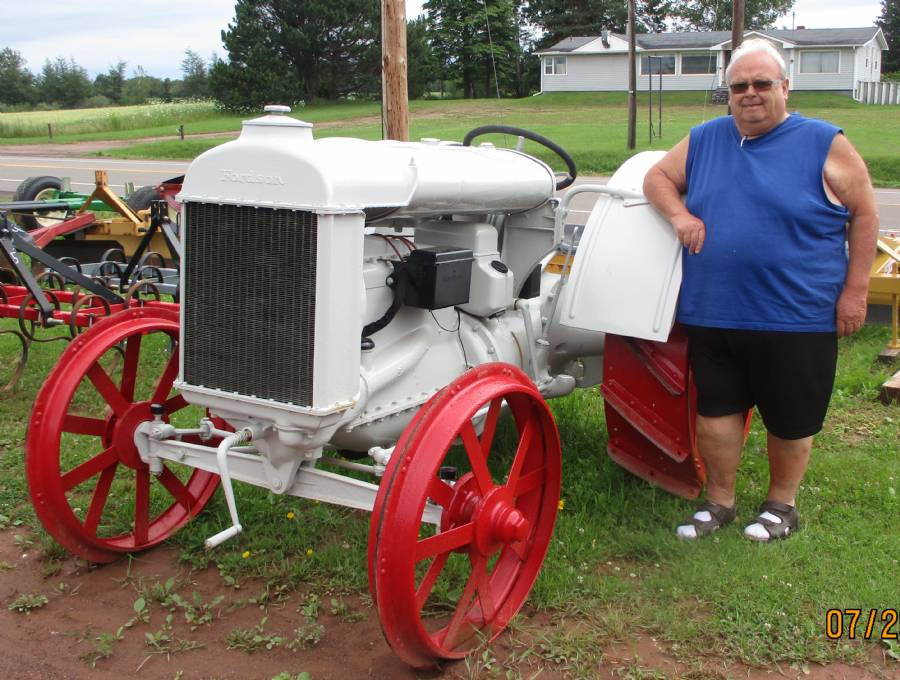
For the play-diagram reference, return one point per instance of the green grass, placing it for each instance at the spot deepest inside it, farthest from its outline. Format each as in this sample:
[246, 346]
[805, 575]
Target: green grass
[591, 126]
[614, 570]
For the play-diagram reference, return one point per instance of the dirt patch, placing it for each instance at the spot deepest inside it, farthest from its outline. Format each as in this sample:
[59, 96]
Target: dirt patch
[86, 606]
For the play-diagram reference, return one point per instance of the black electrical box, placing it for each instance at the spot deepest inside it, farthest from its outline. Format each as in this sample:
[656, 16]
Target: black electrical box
[438, 277]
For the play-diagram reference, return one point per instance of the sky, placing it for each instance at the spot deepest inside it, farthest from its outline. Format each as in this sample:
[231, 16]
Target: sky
[155, 33]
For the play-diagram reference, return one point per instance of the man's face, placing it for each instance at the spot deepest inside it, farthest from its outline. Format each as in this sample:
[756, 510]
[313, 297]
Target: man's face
[758, 111]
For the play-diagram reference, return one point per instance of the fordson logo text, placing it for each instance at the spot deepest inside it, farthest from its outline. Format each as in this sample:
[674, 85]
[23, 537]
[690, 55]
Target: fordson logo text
[250, 178]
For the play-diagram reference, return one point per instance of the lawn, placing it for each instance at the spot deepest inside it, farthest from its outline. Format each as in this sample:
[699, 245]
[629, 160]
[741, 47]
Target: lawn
[591, 126]
[615, 572]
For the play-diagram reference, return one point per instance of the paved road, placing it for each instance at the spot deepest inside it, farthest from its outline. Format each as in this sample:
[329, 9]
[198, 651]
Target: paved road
[13, 169]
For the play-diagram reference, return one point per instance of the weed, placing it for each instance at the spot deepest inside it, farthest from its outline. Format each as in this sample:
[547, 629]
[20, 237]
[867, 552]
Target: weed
[271, 595]
[307, 636]
[26, 602]
[23, 542]
[310, 608]
[101, 646]
[197, 613]
[253, 639]
[51, 568]
[6, 566]
[340, 609]
[141, 612]
[284, 675]
[163, 641]
[64, 588]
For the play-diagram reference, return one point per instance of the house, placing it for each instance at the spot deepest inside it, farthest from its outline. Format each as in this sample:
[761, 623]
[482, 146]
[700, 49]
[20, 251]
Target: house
[825, 59]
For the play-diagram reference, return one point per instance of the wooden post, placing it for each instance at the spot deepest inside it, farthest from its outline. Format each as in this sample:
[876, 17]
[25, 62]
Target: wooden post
[737, 25]
[395, 98]
[632, 78]
[50, 130]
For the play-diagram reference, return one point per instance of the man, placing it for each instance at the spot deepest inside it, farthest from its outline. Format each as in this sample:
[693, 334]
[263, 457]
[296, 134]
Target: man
[768, 286]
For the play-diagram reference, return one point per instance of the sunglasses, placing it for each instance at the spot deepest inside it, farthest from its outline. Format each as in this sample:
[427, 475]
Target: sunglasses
[758, 85]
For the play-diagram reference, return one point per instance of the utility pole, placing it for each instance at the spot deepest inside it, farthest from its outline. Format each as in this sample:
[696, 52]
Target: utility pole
[632, 77]
[394, 95]
[737, 25]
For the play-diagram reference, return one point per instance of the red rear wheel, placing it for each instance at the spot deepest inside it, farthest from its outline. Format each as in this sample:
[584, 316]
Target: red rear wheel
[88, 484]
[440, 593]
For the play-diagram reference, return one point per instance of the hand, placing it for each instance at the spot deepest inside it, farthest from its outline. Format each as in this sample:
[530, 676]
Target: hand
[851, 312]
[690, 231]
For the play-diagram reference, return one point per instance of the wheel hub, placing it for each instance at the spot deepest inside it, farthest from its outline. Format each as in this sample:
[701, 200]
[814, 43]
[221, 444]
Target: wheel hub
[498, 522]
[120, 433]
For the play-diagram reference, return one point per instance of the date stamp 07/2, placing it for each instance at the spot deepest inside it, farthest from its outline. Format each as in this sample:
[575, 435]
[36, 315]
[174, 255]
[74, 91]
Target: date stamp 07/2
[872, 624]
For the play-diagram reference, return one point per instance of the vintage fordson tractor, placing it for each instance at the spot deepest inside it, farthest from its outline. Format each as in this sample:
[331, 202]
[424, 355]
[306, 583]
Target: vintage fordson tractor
[345, 300]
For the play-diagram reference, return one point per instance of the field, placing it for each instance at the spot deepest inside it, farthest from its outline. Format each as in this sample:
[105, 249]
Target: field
[591, 126]
[618, 591]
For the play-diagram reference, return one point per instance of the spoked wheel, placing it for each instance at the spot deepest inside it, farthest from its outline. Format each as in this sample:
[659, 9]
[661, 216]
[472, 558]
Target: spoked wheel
[442, 591]
[88, 484]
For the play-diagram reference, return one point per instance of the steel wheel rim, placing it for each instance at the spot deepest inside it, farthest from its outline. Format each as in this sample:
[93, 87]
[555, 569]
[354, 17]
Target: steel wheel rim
[49, 218]
[500, 572]
[110, 455]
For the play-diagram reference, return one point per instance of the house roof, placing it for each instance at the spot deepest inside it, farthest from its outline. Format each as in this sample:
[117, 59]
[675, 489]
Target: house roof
[706, 39]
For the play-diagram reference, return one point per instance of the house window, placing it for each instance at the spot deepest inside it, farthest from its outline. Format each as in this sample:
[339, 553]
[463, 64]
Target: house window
[819, 62]
[698, 64]
[554, 66]
[655, 65]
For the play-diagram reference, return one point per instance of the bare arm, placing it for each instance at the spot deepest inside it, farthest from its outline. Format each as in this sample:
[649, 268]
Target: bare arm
[848, 178]
[663, 186]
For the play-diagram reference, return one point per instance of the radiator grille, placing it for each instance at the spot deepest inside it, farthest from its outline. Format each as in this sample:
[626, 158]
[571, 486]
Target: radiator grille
[250, 301]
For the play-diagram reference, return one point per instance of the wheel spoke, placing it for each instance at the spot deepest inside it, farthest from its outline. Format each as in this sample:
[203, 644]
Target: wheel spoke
[476, 458]
[431, 575]
[515, 470]
[130, 367]
[483, 581]
[490, 426]
[176, 403]
[84, 425]
[141, 505]
[88, 469]
[175, 487]
[528, 483]
[440, 492]
[164, 386]
[98, 500]
[444, 542]
[108, 390]
[462, 608]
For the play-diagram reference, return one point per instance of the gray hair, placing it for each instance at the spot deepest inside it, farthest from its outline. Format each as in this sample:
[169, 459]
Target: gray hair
[754, 46]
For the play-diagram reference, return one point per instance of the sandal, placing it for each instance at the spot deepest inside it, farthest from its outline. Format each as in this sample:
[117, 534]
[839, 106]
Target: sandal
[775, 520]
[708, 518]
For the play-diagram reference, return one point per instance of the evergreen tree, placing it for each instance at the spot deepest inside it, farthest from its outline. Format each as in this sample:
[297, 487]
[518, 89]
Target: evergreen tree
[889, 22]
[421, 67]
[284, 51]
[64, 83]
[111, 83]
[16, 81]
[473, 40]
[716, 15]
[562, 19]
[194, 81]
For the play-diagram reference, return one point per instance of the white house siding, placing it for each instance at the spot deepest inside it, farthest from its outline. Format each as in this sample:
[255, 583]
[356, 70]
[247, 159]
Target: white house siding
[842, 81]
[590, 73]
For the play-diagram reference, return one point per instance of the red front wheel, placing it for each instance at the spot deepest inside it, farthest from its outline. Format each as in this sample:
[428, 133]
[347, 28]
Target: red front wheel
[441, 591]
[89, 486]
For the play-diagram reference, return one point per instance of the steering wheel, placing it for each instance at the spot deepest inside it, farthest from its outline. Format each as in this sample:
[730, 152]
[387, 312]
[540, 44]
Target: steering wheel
[563, 180]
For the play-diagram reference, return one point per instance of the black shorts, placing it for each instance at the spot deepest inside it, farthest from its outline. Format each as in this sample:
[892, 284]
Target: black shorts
[787, 376]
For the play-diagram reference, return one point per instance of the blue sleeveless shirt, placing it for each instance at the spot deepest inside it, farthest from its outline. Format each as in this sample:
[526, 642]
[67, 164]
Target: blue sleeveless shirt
[774, 256]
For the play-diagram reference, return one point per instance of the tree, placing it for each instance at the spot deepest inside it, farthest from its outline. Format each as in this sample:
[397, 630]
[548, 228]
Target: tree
[195, 79]
[64, 82]
[421, 68]
[651, 16]
[473, 40]
[561, 19]
[16, 81]
[111, 83]
[715, 15]
[889, 22]
[284, 51]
